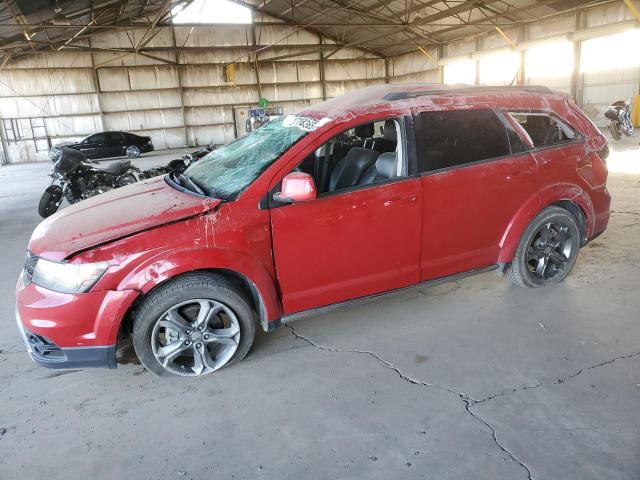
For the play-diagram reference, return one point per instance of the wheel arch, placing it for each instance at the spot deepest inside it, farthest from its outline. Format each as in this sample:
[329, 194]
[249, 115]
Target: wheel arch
[253, 278]
[570, 197]
[245, 284]
[578, 213]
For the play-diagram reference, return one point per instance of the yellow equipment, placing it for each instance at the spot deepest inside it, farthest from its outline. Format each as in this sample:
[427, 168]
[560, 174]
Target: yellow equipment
[635, 111]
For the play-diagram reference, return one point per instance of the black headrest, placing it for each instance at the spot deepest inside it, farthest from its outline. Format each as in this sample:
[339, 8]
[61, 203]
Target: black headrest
[386, 165]
[538, 121]
[389, 133]
[364, 131]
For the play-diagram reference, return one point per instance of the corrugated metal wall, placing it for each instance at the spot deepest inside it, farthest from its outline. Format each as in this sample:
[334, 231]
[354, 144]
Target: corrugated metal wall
[188, 102]
[550, 51]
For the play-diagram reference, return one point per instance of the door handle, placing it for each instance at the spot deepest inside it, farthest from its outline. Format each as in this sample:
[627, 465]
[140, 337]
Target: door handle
[401, 199]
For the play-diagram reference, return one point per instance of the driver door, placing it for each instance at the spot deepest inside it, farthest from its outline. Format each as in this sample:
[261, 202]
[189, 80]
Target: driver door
[349, 243]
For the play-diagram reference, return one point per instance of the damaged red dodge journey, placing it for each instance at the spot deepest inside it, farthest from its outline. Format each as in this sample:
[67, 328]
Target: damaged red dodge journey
[381, 189]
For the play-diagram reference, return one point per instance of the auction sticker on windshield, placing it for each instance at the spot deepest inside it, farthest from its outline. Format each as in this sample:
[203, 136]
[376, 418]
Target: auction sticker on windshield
[303, 123]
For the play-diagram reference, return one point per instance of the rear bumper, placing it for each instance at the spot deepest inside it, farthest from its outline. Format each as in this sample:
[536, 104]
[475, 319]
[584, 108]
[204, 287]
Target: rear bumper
[47, 354]
[147, 147]
[602, 208]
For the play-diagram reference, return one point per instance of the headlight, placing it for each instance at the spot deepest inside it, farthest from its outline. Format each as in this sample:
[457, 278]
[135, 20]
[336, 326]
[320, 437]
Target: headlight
[67, 277]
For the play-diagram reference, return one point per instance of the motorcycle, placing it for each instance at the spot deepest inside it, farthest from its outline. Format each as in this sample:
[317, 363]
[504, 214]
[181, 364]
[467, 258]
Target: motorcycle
[179, 164]
[79, 178]
[620, 115]
[76, 178]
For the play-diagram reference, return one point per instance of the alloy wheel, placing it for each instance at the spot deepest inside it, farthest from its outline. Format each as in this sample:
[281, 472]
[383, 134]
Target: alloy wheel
[549, 252]
[133, 152]
[195, 337]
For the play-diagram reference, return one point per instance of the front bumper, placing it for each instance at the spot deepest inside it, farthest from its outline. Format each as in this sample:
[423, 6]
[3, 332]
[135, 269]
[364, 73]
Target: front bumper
[47, 354]
[70, 331]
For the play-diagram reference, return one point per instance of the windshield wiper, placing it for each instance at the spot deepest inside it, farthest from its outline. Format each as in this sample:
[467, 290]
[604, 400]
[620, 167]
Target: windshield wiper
[188, 183]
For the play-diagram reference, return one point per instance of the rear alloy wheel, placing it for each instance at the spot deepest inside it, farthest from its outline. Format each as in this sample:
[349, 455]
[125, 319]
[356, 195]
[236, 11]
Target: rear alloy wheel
[547, 251]
[132, 151]
[193, 326]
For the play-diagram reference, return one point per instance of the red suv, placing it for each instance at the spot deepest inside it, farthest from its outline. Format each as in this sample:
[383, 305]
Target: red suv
[381, 189]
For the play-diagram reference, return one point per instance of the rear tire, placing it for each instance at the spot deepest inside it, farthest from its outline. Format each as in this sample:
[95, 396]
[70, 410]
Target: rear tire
[615, 128]
[50, 201]
[132, 151]
[181, 300]
[547, 250]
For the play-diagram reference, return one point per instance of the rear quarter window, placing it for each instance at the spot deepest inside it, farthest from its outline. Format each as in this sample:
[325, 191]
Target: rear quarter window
[543, 128]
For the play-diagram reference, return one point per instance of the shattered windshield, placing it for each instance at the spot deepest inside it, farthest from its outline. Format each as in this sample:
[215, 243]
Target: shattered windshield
[227, 171]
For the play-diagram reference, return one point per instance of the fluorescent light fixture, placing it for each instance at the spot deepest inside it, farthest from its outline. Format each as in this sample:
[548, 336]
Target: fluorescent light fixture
[211, 11]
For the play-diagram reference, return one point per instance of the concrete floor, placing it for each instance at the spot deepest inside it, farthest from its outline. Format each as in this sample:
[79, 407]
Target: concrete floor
[473, 379]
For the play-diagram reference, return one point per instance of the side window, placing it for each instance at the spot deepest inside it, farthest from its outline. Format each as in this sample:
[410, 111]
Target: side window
[362, 155]
[452, 138]
[113, 137]
[97, 138]
[543, 128]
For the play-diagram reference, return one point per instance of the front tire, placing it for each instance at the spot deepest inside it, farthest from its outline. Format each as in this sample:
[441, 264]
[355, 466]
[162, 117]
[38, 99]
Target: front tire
[50, 201]
[547, 250]
[192, 326]
[132, 151]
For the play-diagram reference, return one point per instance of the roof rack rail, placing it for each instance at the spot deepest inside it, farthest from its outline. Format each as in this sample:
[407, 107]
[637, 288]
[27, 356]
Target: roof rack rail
[404, 95]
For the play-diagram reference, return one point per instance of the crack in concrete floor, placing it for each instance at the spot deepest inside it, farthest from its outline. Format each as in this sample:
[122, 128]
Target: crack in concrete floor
[466, 399]
[557, 381]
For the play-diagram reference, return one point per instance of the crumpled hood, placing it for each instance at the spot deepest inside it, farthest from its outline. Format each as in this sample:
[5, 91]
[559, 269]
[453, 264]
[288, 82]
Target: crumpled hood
[114, 215]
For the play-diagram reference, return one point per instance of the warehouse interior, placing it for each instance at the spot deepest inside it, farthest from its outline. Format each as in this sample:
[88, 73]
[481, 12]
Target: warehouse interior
[468, 379]
[128, 66]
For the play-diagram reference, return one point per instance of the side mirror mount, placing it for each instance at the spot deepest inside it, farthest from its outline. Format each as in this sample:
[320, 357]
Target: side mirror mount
[296, 187]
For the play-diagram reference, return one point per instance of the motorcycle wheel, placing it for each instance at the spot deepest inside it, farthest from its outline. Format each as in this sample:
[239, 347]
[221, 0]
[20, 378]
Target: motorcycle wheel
[615, 128]
[50, 201]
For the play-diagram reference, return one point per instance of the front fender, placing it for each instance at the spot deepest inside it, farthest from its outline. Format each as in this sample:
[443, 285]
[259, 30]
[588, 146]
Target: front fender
[546, 197]
[169, 264]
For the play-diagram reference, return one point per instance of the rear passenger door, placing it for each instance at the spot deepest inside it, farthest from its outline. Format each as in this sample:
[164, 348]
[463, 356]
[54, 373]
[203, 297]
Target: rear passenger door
[476, 173]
